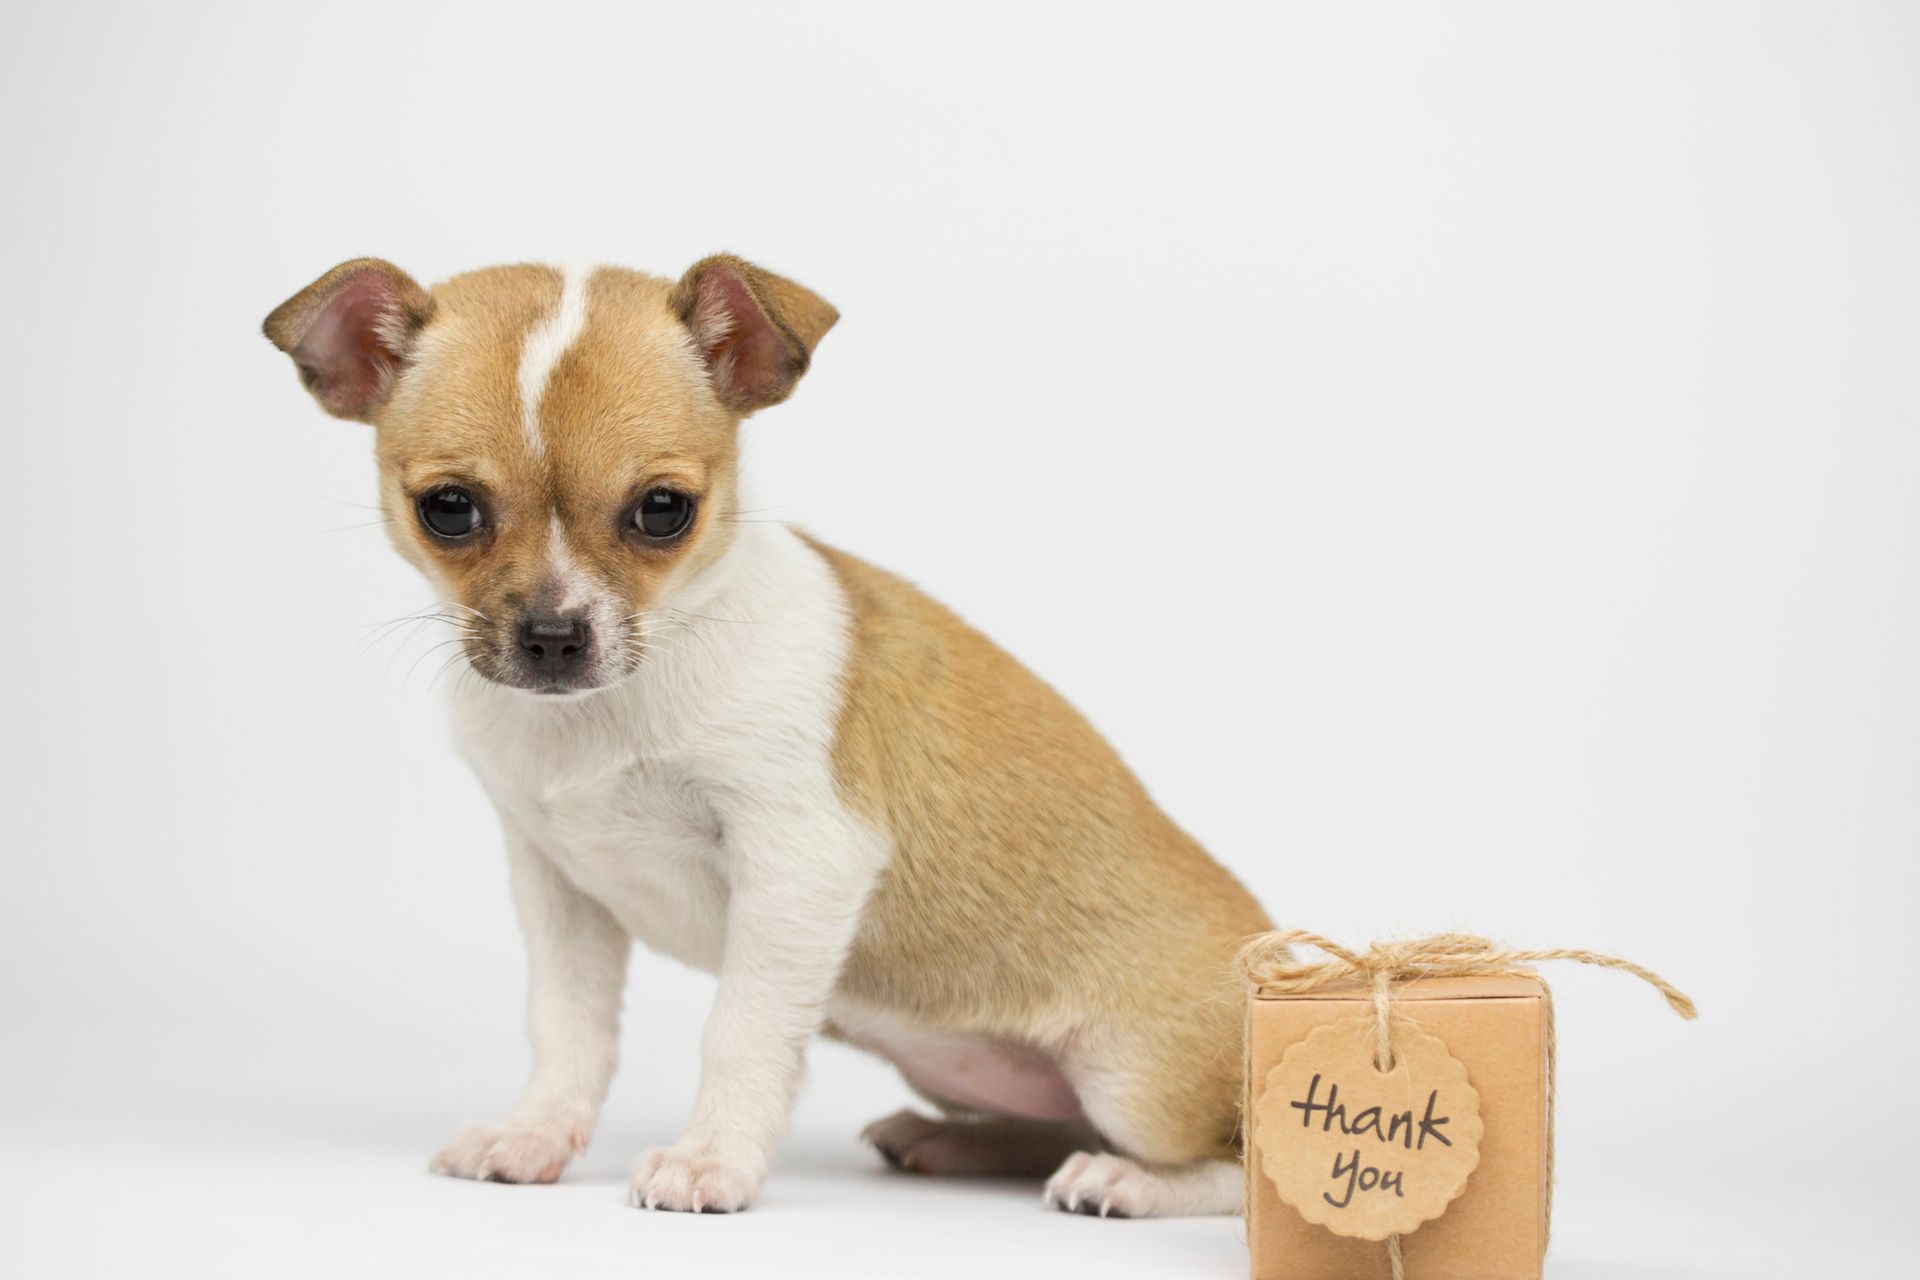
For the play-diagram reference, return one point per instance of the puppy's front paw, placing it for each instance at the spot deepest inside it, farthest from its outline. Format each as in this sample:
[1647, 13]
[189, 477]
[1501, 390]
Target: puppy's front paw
[503, 1153]
[691, 1182]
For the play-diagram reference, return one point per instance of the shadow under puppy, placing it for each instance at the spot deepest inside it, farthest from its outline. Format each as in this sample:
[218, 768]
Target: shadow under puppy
[771, 760]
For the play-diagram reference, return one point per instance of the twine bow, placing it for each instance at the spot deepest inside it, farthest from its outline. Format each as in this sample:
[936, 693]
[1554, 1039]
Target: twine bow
[1267, 962]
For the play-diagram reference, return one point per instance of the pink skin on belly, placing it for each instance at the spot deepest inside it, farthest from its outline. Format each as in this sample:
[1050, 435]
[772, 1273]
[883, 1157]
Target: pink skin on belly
[988, 1075]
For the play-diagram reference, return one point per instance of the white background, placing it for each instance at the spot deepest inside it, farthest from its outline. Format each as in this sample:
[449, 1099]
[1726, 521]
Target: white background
[1465, 456]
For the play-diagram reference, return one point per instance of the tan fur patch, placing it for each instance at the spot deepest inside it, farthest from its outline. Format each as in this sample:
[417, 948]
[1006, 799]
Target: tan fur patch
[1036, 891]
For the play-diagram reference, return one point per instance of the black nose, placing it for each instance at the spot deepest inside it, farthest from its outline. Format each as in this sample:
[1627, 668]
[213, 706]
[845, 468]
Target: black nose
[554, 645]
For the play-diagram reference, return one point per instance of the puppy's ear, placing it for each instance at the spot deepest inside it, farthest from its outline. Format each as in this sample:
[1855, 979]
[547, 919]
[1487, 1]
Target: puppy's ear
[756, 330]
[349, 332]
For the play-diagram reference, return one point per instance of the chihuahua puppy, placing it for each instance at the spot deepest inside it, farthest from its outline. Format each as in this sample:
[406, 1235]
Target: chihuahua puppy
[772, 761]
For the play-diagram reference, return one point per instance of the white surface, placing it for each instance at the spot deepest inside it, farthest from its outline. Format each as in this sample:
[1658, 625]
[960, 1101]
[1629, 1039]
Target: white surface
[1463, 455]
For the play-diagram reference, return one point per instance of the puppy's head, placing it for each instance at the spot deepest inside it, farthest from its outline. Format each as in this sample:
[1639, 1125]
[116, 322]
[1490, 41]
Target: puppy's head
[557, 448]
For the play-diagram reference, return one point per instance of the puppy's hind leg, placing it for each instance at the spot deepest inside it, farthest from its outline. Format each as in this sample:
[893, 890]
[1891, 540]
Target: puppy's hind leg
[1116, 1186]
[973, 1145]
[1165, 1095]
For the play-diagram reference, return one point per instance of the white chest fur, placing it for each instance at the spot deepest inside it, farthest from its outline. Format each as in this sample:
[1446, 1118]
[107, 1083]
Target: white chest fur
[639, 793]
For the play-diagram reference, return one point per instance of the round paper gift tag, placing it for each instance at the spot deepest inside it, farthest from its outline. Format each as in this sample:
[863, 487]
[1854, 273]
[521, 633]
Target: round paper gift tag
[1361, 1151]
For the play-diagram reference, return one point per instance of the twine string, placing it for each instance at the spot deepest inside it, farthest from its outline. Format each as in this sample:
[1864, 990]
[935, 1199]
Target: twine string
[1267, 961]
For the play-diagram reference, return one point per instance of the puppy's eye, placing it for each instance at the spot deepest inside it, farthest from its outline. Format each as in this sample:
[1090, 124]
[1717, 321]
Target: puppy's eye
[450, 512]
[663, 513]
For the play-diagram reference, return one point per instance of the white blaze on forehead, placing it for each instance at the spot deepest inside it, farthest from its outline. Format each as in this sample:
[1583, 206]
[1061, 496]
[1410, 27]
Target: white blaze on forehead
[546, 344]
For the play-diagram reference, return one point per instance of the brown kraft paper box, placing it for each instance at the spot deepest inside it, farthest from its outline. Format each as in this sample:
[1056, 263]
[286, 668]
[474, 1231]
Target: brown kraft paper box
[1497, 1026]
